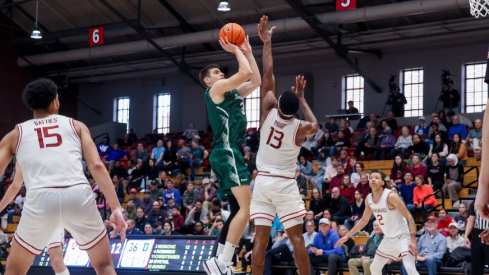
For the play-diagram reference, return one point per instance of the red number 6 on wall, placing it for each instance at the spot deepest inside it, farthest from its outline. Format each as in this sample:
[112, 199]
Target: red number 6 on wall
[96, 36]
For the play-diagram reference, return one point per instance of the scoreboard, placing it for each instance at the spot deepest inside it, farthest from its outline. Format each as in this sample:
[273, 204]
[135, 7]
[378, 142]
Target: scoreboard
[139, 253]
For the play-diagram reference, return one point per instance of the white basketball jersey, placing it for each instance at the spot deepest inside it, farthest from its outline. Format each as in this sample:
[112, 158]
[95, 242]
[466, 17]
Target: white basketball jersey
[49, 153]
[393, 224]
[277, 154]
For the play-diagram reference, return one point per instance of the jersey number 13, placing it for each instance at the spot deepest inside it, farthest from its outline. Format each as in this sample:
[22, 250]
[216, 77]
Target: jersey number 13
[277, 138]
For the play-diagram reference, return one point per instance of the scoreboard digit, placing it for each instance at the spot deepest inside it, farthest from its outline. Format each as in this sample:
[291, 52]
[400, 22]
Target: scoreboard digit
[136, 253]
[165, 254]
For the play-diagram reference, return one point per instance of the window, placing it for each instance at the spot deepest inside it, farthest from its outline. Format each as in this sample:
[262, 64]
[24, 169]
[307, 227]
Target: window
[122, 110]
[413, 91]
[354, 91]
[475, 88]
[252, 107]
[163, 113]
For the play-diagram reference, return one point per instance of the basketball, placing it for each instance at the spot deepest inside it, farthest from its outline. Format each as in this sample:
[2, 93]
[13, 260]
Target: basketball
[234, 32]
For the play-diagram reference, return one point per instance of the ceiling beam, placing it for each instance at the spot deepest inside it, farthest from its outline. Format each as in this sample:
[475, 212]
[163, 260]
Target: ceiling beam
[284, 51]
[283, 25]
[183, 67]
[184, 25]
[61, 46]
[121, 29]
[214, 15]
[339, 49]
[13, 4]
[84, 31]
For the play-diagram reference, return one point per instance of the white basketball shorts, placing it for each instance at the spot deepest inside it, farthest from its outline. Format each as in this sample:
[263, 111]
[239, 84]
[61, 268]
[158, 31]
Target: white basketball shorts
[391, 248]
[57, 239]
[276, 195]
[47, 209]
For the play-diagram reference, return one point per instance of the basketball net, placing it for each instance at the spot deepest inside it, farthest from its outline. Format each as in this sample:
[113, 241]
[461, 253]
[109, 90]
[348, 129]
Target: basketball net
[479, 8]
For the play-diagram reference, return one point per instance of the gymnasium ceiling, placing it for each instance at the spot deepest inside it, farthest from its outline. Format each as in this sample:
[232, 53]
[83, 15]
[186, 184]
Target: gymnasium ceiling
[65, 25]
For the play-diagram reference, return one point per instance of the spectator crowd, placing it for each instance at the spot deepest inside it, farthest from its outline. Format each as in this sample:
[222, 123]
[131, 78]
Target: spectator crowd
[165, 199]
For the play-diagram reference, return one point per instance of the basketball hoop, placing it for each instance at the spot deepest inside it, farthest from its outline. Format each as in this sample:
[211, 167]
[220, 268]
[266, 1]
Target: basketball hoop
[479, 8]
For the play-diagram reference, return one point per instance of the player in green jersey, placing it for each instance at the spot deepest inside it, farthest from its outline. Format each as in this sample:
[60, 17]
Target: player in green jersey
[225, 106]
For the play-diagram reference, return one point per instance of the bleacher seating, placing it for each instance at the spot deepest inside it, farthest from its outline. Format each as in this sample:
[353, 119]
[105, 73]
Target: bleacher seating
[385, 166]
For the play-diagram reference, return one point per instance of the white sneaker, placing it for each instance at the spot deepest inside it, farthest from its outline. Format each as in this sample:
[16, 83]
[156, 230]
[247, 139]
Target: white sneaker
[456, 204]
[214, 266]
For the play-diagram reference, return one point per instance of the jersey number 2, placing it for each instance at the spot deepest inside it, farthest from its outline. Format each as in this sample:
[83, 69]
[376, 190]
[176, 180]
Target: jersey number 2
[379, 218]
[44, 133]
[278, 138]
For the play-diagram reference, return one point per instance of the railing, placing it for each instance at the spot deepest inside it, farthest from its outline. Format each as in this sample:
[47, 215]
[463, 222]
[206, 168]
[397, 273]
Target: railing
[442, 204]
[467, 185]
[101, 135]
[464, 185]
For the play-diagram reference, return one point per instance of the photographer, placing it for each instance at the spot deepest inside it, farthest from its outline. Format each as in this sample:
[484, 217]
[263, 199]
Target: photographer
[449, 96]
[396, 99]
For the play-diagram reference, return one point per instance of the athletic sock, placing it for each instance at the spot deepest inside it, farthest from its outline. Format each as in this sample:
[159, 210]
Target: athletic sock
[65, 272]
[228, 253]
[220, 249]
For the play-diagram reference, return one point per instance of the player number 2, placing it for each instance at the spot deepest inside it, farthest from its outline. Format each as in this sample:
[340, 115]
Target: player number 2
[43, 133]
[278, 138]
[379, 218]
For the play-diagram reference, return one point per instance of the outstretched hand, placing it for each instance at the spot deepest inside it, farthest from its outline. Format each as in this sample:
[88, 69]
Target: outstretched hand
[263, 32]
[227, 46]
[120, 226]
[413, 249]
[467, 242]
[246, 47]
[481, 204]
[341, 241]
[301, 86]
[484, 236]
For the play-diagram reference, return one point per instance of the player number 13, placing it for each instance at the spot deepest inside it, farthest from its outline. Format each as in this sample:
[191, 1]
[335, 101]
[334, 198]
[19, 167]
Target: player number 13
[277, 136]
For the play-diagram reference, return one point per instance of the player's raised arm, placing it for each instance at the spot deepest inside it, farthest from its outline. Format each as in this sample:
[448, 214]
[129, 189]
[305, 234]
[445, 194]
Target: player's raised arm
[269, 101]
[14, 188]
[101, 176]
[255, 81]
[394, 200]
[310, 126]
[482, 198]
[367, 213]
[268, 83]
[244, 71]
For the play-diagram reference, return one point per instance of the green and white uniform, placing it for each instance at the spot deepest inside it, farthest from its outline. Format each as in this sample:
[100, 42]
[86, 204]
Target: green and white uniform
[228, 122]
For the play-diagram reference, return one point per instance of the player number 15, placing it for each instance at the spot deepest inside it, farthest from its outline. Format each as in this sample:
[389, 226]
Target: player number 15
[43, 133]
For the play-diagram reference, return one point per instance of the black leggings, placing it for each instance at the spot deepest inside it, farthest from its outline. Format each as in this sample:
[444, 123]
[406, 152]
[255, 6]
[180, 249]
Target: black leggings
[234, 205]
[480, 253]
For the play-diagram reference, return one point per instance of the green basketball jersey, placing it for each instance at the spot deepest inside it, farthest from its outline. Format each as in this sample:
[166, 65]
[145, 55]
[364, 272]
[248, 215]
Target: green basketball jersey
[228, 119]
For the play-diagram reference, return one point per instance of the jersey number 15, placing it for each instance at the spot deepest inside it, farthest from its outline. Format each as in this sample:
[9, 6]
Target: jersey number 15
[44, 133]
[277, 136]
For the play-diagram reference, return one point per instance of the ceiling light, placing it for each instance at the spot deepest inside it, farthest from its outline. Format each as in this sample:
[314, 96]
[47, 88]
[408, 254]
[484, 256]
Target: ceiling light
[36, 33]
[223, 6]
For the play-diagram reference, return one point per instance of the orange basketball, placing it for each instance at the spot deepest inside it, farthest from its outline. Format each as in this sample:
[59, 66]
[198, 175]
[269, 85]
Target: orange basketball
[234, 32]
